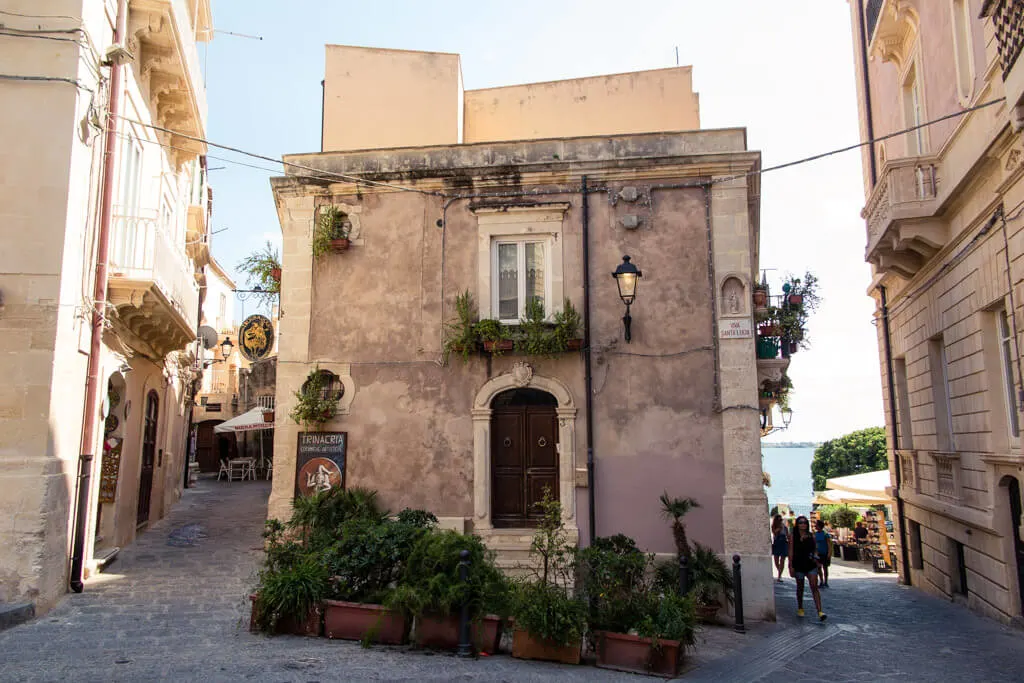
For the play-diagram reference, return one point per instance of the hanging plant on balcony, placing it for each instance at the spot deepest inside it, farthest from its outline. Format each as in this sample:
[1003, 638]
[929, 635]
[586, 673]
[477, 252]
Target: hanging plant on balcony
[263, 272]
[800, 300]
[314, 406]
[761, 294]
[567, 328]
[331, 231]
[535, 336]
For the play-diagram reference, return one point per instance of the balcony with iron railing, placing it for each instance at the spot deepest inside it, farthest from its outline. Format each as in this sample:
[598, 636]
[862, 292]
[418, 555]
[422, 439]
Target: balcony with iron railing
[903, 232]
[151, 286]
[1007, 17]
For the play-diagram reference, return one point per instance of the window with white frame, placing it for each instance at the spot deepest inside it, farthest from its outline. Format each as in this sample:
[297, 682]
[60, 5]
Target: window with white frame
[519, 259]
[913, 112]
[519, 275]
[1006, 361]
[963, 51]
[127, 227]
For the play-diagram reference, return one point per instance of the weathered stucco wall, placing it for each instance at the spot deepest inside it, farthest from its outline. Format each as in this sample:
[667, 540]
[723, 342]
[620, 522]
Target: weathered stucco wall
[378, 98]
[637, 102]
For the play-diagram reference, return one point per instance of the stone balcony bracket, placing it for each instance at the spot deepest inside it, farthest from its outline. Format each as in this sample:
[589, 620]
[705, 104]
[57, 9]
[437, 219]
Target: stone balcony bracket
[167, 66]
[146, 320]
[903, 228]
[895, 32]
[771, 370]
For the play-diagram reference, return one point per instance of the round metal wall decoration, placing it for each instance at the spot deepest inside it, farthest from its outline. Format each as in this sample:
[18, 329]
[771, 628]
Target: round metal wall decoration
[255, 338]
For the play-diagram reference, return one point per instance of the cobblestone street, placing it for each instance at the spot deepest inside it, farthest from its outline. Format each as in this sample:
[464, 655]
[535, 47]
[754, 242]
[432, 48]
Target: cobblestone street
[173, 607]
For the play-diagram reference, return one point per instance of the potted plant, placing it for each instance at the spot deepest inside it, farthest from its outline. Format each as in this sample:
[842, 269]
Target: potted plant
[660, 628]
[268, 416]
[567, 328]
[761, 295]
[767, 347]
[675, 509]
[494, 336]
[365, 565]
[263, 272]
[314, 406]
[331, 231]
[629, 616]
[712, 580]
[432, 591]
[535, 337]
[801, 300]
[292, 586]
[549, 618]
[461, 335]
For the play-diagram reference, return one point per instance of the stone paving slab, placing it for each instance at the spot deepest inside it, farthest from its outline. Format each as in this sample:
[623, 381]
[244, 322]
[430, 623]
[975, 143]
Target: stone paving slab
[173, 607]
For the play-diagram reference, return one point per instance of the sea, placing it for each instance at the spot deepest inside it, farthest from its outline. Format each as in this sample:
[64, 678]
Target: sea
[790, 470]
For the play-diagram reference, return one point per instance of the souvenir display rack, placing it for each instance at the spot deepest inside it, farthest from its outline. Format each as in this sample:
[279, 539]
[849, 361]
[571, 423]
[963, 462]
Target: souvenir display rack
[880, 541]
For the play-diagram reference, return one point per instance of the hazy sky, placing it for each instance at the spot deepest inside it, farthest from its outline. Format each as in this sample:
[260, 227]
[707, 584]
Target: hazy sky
[782, 70]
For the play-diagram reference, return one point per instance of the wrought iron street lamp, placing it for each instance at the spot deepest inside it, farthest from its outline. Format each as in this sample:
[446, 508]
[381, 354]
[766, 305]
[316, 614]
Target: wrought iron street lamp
[626, 276]
[226, 347]
[787, 417]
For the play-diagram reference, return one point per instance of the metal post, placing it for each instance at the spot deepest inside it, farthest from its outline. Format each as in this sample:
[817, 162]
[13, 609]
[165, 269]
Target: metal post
[627, 322]
[684, 575]
[81, 512]
[737, 588]
[465, 648]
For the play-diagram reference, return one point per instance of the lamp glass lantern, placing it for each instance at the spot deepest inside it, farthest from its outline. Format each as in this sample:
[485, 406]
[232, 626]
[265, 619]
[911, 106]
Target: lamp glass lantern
[626, 278]
[226, 348]
[787, 416]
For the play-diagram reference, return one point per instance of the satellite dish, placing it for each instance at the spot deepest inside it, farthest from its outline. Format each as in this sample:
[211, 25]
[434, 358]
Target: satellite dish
[207, 336]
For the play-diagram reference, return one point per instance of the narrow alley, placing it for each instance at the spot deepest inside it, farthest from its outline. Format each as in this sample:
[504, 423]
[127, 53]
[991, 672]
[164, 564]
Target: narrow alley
[173, 607]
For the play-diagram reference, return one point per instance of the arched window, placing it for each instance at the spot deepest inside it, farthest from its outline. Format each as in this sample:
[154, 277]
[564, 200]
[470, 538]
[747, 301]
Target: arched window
[330, 386]
[962, 49]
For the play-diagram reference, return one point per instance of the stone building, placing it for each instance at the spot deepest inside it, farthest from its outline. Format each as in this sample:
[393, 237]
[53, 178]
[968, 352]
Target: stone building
[944, 225]
[217, 394]
[511, 195]
[71, 326]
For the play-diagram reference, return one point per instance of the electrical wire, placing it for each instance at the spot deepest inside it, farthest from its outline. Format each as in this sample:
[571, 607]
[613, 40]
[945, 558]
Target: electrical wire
[865, 143]
[40, 16]
[72, 81]
[320, 173]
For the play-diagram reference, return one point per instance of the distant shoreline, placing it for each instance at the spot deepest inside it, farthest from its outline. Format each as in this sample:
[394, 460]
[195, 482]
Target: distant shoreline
[792, 444]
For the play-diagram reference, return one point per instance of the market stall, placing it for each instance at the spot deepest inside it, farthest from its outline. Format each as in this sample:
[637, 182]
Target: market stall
[864, 491]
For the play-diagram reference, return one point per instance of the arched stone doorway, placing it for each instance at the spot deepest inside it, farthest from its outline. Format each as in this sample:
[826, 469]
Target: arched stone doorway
[551, 406]
[524, 456]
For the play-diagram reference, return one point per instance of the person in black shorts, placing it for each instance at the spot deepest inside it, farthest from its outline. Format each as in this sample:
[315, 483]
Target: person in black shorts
[803, 564]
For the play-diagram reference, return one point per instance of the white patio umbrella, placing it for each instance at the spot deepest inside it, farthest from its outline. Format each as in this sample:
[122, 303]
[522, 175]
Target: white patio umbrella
[872, 484]
[836, 497]
[249, 421]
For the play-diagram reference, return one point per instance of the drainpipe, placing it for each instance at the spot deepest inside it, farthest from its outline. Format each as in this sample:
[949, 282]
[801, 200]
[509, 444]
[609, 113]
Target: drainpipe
[588, 378]
[897, 465]
[99, 297]
[868, 119]
[323, 110]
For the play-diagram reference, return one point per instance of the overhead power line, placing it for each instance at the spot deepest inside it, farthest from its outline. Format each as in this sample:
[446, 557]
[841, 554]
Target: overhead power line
[363, 181]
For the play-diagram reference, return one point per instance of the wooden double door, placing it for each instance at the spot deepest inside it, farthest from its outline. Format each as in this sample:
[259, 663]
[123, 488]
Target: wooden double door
[524, 456]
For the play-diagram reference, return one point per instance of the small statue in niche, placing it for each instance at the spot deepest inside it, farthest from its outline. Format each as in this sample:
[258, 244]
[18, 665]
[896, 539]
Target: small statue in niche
[732, 297]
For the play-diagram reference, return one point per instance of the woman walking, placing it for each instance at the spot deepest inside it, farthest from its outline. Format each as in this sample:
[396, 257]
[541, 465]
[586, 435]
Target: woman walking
[780, 544]
[803, 564]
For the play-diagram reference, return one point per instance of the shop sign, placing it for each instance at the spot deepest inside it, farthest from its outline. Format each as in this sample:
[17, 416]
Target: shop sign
[255, 338]
[320, 462]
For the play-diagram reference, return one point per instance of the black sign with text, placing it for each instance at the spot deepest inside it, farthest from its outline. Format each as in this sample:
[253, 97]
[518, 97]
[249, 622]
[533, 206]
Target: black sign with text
[320, 462]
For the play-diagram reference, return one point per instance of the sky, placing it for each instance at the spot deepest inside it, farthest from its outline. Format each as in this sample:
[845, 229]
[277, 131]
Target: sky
[784, 71]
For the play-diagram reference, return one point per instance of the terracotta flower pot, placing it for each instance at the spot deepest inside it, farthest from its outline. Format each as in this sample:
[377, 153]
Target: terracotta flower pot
[442, 633]
[340, 244]
[707, 612]
[623, 652]
[275, 274]
[353, 621]
[760, 298]
[794, 346]
[574, 344]
[310, 626]
[796, 299]
[268, 416]
[526, 646]
[501, 345]
[770, 331]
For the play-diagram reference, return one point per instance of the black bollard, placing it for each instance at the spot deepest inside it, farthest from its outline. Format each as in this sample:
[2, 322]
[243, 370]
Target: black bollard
[684, 575]
[737, 589]
[465, 648]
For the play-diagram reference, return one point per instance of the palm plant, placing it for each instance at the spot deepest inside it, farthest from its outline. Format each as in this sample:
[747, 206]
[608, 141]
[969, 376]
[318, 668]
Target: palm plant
[675, 509]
